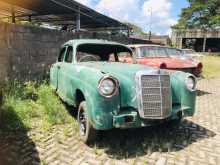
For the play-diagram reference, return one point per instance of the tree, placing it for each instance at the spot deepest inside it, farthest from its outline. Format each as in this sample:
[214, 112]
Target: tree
[200, 14]
[136, 29]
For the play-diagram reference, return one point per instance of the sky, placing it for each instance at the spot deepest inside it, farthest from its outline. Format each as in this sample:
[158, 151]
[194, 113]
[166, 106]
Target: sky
[165, 13]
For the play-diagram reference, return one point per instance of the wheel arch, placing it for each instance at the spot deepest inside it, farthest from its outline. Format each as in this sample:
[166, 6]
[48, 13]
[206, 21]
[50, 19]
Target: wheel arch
[79, 97]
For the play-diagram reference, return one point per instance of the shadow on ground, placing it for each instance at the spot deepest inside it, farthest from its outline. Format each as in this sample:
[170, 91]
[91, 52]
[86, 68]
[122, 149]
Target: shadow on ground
[202, 93]
[130, 143]
[15, 145]
[122, 144]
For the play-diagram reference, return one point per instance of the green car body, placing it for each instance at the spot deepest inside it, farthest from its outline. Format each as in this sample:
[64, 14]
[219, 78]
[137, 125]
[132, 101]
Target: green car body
[79, 81]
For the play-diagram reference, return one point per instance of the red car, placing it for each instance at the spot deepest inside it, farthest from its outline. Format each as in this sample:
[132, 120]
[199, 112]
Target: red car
[163, 57]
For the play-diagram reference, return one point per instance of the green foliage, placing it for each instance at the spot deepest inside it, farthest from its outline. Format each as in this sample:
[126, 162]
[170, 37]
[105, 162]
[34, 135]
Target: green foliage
[52, 108]
[29, 105]
[136, 29]
[201, 14]
[28, 23]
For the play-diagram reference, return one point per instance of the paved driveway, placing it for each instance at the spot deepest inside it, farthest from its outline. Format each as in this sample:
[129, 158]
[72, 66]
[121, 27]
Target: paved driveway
[196, 141]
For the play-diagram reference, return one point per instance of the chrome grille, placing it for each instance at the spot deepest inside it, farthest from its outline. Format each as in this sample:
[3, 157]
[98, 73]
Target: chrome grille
[154, 96]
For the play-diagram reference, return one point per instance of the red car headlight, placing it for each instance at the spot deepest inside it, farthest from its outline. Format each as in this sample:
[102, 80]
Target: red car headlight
[199, 67]
[163, 66]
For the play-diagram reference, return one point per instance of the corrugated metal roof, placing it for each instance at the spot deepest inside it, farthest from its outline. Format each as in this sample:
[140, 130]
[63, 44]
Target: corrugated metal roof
[57, 12]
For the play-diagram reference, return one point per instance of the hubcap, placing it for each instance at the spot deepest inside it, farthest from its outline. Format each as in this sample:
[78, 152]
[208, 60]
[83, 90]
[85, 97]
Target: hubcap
[82, 123]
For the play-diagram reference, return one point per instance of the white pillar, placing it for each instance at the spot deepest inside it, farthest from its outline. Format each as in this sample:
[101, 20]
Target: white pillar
[78, 21]
[180, 43]
[204, 45]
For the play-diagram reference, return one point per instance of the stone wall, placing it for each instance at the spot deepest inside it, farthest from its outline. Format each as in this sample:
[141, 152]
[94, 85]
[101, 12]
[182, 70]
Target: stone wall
[27, 52]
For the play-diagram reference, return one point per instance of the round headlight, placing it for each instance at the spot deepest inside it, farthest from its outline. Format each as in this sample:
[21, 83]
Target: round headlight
[108, 86]
[191, 83]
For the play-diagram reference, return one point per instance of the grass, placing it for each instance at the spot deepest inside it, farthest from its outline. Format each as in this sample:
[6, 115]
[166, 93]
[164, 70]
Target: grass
[31, 105]
[211, 66]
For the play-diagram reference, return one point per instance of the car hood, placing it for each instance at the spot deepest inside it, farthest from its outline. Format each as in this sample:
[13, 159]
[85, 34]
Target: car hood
[117, 68]
[170, 62]
[125, 74]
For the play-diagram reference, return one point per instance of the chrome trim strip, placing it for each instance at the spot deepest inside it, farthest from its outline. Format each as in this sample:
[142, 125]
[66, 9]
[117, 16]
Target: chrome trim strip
[161, 97]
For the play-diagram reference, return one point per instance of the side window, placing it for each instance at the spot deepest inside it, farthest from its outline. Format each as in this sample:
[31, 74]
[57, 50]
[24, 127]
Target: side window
[125, 57]
[69, 54]
[62, 53]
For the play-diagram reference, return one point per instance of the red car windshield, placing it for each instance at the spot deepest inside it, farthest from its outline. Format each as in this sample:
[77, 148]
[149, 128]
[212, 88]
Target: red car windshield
[151, 52]
[174, 52]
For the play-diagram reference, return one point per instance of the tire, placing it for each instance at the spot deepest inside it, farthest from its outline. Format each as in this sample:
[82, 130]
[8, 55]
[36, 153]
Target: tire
[87, 132]
[175, 122]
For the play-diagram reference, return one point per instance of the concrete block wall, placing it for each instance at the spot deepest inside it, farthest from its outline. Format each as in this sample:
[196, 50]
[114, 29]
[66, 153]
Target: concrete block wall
[26, 52]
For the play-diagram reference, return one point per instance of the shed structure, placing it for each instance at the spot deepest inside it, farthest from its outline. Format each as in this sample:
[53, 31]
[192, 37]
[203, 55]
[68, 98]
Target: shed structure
[201, 40]
[58, 13]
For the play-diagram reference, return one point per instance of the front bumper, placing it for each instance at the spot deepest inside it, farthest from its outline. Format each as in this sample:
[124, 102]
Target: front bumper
[131, 119]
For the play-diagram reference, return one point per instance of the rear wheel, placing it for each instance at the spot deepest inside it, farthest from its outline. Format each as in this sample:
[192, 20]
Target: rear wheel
[87, 132]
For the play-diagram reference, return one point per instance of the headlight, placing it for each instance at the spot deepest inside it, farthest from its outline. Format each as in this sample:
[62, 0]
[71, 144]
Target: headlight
[108, 86]
[191, 83]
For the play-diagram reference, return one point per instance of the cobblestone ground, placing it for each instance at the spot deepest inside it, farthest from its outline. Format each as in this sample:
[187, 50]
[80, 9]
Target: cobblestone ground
[195, 141]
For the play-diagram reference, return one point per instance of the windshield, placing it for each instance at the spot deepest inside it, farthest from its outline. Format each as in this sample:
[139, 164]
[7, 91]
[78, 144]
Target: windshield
[152, 51]
[188, 51]
[174, 52]
[100, 52]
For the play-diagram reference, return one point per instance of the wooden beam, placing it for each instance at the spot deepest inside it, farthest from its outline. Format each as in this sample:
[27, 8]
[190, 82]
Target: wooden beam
[12, 15]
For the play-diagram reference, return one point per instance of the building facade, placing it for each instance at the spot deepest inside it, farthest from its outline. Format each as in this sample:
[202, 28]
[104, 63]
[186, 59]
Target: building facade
[200, 40]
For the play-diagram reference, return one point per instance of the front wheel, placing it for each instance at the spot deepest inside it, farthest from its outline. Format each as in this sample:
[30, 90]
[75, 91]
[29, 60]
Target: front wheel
[176, 122]
[87, 132]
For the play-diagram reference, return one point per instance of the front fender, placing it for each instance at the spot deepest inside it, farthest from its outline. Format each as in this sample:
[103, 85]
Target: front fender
[100, 109]
[180, 93]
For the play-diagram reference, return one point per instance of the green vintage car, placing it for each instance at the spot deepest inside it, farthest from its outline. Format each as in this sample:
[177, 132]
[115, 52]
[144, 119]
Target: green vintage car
[109, 94]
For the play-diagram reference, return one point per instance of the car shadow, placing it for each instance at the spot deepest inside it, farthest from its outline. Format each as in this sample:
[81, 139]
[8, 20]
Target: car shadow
[131, 143]
[15, 145]
[202, 93]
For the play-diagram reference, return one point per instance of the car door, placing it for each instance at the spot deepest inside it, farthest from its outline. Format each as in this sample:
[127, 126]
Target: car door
[55, 69]
[67, 75]
[59, 66]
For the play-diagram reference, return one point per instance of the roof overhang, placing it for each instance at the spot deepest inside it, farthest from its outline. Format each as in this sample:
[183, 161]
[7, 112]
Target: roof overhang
[57, 12]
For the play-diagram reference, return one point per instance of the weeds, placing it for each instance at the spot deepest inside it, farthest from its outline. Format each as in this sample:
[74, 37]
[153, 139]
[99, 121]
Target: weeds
[29, 105]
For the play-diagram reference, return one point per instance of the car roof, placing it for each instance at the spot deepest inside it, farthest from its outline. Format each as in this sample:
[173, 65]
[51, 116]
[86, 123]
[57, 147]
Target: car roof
[141, 45]
[151, 45]
[76, 42]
